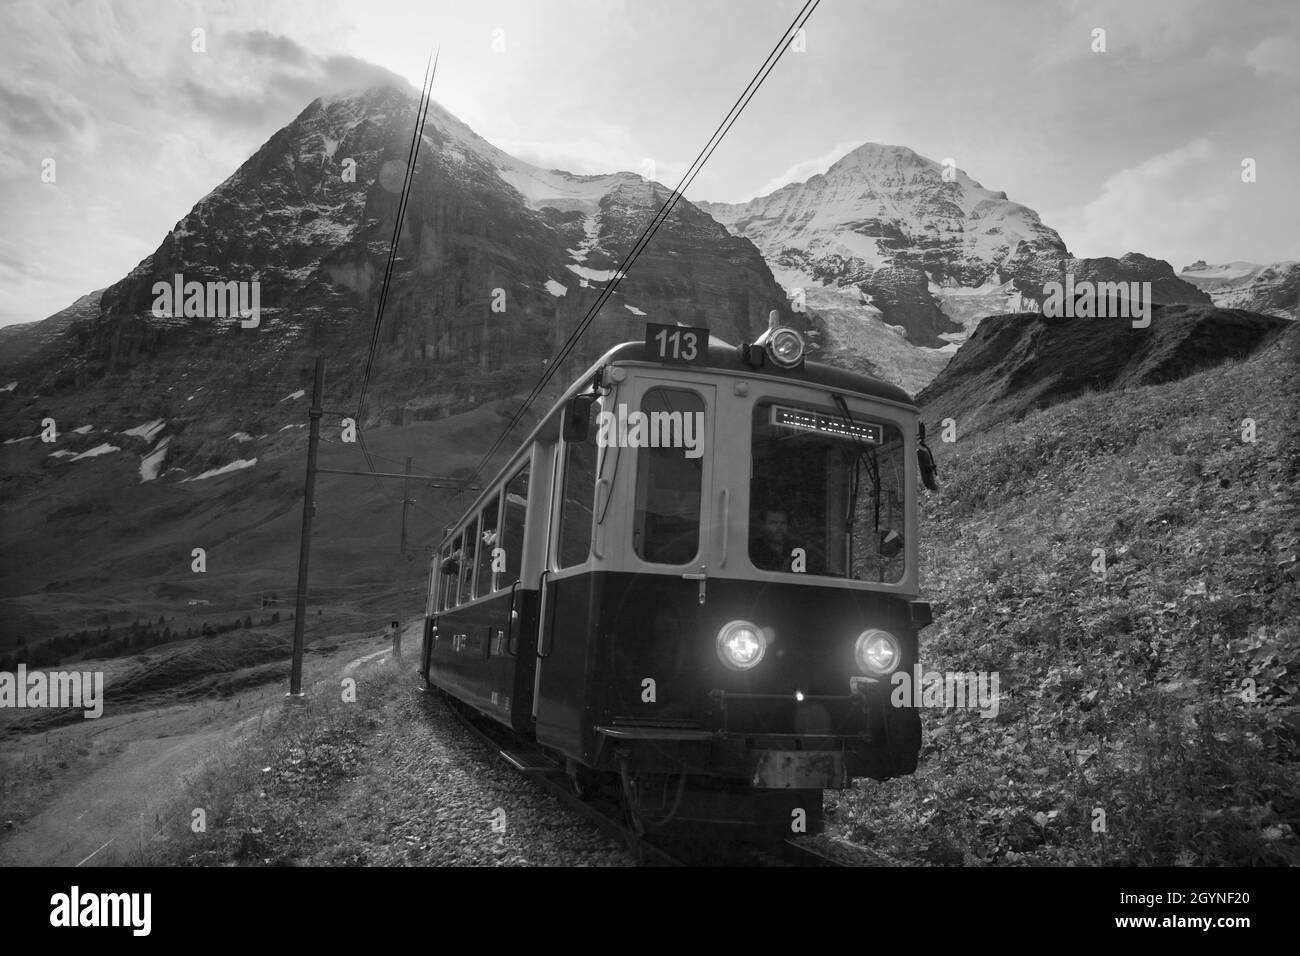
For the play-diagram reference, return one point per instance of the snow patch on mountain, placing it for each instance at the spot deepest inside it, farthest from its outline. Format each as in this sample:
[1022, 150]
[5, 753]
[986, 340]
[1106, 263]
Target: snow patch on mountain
[591, 236]
[853, 244]
[98, 450]
[556, 189]
[237, 465]
[539, 187]
[151, 463]
[857, 336]
[594, 275]
[148, 430]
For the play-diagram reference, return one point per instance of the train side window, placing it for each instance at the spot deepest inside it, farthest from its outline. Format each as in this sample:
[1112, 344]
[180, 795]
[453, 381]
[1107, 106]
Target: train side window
[441, 579]
[472, 543]
[516, 511]
[668, 483]
[579, 496]
[487, 545]
[452, 571]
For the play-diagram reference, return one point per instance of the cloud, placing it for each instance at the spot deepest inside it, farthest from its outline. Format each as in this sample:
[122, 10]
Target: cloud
[278, 48]
[1278, 55]
[285, 77]
[1151, 31]
[45, 115]
[1162, 206]
[805, 169]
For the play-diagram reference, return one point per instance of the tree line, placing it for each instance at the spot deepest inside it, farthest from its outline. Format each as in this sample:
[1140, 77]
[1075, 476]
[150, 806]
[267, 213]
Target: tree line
[116, 642]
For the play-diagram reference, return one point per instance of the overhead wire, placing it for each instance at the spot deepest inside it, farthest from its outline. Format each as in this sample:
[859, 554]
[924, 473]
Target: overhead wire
[430, 473]
[413, 155]
[653, 227]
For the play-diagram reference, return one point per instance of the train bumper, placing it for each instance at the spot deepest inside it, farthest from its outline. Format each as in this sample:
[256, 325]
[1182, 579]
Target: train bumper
[769, 762]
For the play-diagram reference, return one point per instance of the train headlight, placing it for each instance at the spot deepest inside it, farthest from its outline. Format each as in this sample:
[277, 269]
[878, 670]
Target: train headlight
[785, 347]
[741, 645]
[877, 652]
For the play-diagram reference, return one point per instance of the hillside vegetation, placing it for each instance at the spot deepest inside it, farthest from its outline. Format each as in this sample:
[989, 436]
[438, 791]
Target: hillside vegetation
[1148, 715]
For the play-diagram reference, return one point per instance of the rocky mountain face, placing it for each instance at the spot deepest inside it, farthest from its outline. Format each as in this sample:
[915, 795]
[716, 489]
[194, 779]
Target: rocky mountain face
[498, 261]
[901, 257]
[1017, 363]
[1272, 289]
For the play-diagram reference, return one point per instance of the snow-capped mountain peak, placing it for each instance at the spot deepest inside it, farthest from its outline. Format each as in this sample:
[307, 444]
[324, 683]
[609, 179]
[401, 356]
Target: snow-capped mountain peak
[902, 255]
[878, 202]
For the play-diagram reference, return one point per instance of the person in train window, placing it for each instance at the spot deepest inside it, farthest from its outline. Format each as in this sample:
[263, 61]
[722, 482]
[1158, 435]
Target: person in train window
[771, 546]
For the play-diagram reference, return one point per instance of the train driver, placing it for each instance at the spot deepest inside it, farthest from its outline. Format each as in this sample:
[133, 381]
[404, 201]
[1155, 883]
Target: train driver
[771, 546]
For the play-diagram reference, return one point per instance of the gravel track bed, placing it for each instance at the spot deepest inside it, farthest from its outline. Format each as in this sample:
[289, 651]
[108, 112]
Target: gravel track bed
[433, 795]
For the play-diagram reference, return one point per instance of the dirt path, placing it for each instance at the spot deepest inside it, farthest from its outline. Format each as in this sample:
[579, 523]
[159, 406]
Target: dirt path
[105, 808]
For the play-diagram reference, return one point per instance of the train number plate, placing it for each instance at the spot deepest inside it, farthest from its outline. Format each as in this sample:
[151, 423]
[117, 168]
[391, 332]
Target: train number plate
[677, 344]
[800, 770]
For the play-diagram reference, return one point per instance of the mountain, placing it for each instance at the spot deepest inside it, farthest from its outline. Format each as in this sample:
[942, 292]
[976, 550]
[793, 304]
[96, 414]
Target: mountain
[19, 342]
[176, 432]
[1018, 363]
[1272, 289]
[179, 432]
[901, 257]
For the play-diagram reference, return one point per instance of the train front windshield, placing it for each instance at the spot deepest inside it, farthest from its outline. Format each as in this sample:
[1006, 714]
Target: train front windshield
[826, 494]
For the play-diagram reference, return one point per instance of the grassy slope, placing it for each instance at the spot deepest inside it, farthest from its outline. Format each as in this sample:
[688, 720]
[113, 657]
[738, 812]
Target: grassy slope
[121, 551]
[1122, 693]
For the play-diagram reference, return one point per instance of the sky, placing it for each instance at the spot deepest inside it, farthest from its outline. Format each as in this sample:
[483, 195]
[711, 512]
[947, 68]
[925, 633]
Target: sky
[1137, 147]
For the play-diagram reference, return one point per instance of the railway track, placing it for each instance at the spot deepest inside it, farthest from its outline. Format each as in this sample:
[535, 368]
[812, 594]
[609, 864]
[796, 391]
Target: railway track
[550, 776]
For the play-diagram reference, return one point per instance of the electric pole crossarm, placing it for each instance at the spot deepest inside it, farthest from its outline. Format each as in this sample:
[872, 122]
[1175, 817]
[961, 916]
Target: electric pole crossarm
[439, 481]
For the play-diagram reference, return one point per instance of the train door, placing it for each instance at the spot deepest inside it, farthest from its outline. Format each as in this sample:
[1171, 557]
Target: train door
[652, 442]
[678, 502]
[564, 580]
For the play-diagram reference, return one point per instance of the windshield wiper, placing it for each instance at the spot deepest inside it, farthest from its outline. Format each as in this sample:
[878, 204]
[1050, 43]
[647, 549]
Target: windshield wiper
[875, 479]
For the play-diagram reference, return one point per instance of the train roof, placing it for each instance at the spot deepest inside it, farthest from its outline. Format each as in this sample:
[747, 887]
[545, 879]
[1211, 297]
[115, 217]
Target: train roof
[724, 357]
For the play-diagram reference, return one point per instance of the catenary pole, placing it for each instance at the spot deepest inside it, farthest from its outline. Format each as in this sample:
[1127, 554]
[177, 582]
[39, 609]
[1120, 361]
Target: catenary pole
[304, 544]
[406, 503]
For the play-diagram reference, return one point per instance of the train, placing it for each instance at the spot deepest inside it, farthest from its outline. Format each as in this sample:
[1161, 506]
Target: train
[694, 581]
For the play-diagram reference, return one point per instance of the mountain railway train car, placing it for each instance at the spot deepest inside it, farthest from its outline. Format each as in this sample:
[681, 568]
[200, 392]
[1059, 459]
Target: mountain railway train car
[694, 580]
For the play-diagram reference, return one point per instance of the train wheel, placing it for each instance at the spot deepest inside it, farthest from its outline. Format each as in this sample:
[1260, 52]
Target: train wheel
[581, 780]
